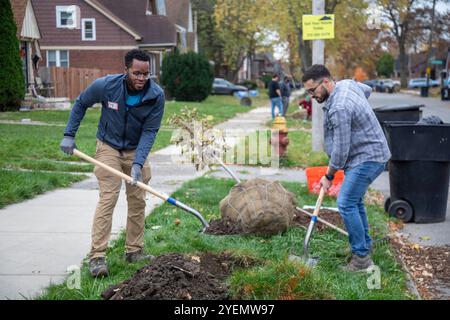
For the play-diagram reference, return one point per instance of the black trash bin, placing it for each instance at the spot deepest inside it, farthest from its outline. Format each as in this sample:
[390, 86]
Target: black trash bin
[424, 91]
[419, 171]
[445, 94]
[406, 112]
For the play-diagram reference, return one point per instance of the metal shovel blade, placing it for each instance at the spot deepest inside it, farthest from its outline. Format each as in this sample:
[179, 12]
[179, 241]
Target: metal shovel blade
[309, 261]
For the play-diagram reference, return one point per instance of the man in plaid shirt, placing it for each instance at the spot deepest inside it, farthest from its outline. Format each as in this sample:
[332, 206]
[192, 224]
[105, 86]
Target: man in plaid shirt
[354, 142]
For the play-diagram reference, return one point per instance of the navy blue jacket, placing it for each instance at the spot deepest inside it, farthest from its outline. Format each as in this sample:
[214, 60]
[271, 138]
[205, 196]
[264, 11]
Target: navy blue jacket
[121, 127]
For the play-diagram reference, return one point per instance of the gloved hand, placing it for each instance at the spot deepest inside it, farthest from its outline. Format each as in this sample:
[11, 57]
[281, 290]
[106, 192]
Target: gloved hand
[136, 174]
[68, 144]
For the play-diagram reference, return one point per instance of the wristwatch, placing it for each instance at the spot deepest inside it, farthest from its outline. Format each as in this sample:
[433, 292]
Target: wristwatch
[329, 177]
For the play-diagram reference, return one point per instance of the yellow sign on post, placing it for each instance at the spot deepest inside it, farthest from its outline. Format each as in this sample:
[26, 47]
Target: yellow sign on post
[316, 27]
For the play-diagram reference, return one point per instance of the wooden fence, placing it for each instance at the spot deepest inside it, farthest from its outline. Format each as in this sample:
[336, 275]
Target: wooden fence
[70, 82]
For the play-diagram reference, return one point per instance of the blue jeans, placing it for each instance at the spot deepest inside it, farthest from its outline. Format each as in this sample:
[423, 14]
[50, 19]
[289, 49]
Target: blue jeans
[351, 204]
[276, 102]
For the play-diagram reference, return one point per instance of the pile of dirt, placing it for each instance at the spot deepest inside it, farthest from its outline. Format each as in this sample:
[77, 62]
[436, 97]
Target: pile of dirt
[176, 276]
[259, 207]
[333, 217]
[219, 227]
[429, 266]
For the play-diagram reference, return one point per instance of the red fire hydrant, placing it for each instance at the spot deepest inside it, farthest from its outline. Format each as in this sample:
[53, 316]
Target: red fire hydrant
[279, 139]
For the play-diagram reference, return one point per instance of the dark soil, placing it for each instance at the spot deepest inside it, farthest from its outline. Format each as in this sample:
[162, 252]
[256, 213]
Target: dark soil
[333, 217]
[428, 266]
[177, 276]
[223, 227]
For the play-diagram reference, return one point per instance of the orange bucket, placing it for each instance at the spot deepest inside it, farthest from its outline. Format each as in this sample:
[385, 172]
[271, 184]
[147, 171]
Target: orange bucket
[313, 176]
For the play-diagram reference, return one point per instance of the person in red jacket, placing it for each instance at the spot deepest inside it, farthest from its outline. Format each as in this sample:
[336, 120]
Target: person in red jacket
[306, 103]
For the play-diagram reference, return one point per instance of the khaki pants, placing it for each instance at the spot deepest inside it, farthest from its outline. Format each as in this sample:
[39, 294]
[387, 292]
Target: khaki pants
[109, 185]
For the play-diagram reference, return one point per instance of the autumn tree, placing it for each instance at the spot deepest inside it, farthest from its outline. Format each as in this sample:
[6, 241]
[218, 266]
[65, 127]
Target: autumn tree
[385, 65]
[237, 25]
[210, 41]
[401, 15]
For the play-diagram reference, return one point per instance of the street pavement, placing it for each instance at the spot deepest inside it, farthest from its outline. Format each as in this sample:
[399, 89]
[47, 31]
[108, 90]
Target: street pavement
[424, 234]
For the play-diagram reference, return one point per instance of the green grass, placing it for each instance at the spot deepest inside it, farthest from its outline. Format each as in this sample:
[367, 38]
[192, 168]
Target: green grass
[16, 186]
[299, 153]
[276, 277]
[29, 146]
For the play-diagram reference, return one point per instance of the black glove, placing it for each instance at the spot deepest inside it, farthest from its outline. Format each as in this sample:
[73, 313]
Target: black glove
[67, 145]
[136, 173]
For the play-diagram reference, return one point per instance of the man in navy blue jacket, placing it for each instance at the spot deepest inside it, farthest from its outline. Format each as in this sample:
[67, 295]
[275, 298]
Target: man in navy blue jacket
[132, 109]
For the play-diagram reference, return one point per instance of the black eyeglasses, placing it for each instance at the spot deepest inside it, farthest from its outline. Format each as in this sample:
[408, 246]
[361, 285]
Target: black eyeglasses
[145, 75]
[312, 91]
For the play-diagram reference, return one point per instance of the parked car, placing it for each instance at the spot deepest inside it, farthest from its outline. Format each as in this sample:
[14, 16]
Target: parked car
[387, 85]
[371, 83]
[222, 86]
[422, 82]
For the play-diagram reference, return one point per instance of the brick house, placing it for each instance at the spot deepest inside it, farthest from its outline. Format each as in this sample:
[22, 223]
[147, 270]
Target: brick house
[28, 35]
[96, 34]
[180, 13]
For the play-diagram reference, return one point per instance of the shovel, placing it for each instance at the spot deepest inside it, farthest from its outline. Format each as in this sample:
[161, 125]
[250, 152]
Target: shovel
[310, 261]
[144, 186]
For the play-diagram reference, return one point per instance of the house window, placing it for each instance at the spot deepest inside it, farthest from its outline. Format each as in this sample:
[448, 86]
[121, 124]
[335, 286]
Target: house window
[156, 7]
[152, 63]
[57, 58]
[67, 17]
[151, 8]
[88, 32]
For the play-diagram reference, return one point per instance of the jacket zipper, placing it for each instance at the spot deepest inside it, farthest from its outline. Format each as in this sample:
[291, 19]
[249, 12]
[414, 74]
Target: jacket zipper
[125, 128]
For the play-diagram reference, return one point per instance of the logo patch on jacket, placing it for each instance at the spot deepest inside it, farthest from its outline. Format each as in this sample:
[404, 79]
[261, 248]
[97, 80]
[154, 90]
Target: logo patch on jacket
[113, 105]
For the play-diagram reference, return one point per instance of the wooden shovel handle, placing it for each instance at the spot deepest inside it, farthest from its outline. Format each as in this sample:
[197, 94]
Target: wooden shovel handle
[120, 174]
[319, 202]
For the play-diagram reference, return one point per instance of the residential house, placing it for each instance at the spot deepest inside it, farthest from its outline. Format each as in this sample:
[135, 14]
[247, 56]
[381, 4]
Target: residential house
[253, 67]
[180, 13]
[96, 34]
[28, 35]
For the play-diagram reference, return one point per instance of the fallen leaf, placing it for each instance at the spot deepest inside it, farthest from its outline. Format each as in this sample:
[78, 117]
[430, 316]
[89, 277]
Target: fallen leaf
[177, 221]
[427, 274]
[196, 258]
[425, 238]
[415, 246]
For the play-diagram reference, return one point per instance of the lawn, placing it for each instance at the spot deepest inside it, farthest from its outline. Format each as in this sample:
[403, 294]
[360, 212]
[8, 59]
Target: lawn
[16, 186]
[28, 146]
[36, 147]
[299, 153]
[276, 277]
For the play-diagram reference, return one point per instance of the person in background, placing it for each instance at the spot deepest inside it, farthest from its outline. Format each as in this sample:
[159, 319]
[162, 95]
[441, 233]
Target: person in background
[275, 95]
[285, 94]
[306, 103]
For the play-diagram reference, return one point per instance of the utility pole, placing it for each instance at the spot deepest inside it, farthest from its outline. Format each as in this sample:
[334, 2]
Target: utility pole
[430, 44]
[318, 57]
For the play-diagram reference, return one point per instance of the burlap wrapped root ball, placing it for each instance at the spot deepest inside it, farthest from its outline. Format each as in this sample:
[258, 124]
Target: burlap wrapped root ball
[259, 207]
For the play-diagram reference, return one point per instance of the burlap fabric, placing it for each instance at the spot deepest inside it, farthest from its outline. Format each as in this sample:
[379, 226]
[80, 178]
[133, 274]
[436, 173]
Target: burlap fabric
[259, 206]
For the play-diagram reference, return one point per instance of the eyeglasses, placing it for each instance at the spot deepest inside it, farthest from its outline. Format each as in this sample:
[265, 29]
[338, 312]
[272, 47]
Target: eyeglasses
[145, 75]
[312, 91]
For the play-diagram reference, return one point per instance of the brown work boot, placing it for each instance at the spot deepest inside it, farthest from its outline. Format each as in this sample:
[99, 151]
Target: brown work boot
[138, 256]
[98, 267]
[358, 264]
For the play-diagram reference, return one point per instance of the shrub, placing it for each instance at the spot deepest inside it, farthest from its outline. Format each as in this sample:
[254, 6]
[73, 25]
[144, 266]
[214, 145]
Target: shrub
[12, 84]
[187, 77]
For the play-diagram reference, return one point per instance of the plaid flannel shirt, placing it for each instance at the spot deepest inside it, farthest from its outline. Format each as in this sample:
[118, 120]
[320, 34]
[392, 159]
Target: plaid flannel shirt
[353, 134]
